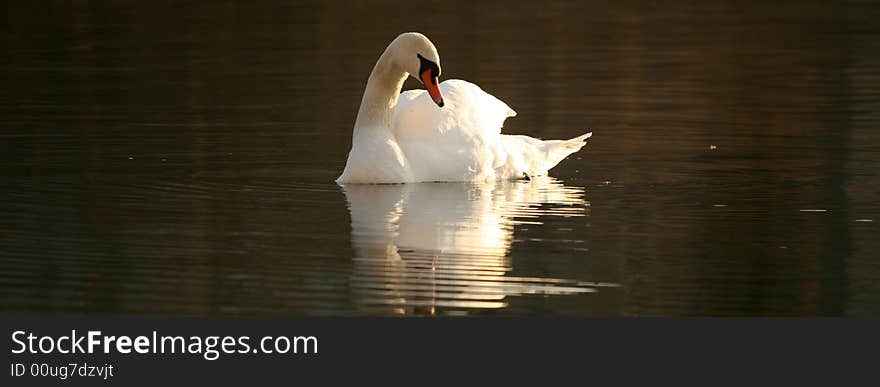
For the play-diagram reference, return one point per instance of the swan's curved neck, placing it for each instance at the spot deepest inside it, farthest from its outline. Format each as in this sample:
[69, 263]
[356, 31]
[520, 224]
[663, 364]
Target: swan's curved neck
[380, 96]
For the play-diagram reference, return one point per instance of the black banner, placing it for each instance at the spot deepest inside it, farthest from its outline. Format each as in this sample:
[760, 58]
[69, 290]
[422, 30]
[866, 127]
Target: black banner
[412, 350]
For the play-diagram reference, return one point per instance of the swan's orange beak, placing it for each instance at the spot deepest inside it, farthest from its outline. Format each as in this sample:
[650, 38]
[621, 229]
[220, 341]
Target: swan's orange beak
[433, 87]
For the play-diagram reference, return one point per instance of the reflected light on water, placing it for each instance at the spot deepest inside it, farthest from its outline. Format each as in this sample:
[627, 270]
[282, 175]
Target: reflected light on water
[443, 247]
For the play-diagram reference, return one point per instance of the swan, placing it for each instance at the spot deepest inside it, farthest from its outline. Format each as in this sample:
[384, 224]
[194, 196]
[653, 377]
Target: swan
[451, 132]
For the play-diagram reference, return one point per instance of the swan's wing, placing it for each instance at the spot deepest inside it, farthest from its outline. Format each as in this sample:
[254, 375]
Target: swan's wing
[468, 111]
[455, 142]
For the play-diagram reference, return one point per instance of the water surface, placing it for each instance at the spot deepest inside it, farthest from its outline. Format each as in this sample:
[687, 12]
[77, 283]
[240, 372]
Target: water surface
[179, 159]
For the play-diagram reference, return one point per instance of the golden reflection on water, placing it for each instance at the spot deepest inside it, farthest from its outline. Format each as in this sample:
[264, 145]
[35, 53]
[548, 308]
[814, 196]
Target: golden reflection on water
[443, 247]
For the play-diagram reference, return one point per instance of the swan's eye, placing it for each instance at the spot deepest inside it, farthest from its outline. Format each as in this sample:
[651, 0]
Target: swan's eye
[428, 65]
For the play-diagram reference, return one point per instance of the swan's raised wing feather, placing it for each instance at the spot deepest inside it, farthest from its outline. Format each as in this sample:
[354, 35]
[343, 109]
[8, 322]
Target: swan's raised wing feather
[469, 111]
[462, 141]
[455, 142]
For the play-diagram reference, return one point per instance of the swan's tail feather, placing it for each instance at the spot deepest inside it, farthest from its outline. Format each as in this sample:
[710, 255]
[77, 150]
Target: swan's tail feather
[557, 150]
[520, 155]
[578, 142]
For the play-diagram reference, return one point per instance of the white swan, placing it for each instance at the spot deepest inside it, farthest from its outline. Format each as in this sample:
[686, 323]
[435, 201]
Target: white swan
[404, 138]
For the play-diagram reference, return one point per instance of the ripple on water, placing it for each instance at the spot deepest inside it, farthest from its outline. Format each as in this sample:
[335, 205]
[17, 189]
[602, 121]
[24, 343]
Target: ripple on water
[437, 248]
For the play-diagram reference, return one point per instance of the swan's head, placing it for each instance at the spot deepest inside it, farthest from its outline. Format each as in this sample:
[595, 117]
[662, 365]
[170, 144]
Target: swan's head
[418, 56]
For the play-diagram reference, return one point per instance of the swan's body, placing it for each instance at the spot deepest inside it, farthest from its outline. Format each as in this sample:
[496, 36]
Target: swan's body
[404, 138]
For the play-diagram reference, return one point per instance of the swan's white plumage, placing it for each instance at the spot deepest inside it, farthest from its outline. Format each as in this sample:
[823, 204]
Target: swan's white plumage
[463, 142]
[455, 143]
[408, 138]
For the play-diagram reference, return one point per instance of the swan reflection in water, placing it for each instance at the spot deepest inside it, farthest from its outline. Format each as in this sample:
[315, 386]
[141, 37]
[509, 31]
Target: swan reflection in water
[431, 248]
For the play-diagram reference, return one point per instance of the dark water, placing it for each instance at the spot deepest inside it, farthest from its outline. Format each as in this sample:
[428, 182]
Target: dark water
[179, 159]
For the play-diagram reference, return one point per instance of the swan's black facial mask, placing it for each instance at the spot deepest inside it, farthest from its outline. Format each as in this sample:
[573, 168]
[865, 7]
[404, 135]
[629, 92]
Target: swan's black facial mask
[428, 73]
